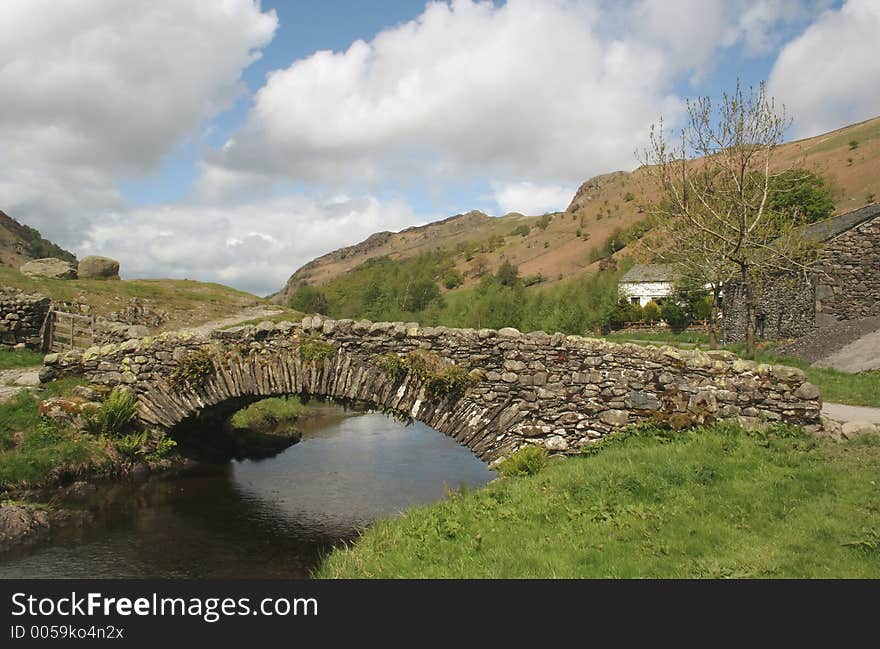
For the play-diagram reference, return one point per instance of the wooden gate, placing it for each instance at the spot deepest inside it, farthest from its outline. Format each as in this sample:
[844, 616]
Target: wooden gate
[69, 331]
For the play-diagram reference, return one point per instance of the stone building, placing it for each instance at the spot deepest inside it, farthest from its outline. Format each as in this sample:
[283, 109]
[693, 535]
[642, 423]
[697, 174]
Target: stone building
[645, 283]
[844, 285]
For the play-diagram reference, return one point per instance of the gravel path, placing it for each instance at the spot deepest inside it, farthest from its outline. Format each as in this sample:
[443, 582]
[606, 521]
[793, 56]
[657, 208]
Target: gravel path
[842, 413]
[828, 341]
[251, 313]
[858, 356]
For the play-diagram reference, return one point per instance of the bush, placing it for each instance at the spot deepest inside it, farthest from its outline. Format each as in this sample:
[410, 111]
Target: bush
[309, 299]
[115, 415]
[544, 221]
[800, 194]
[453, 279]
[268, 414]
[131, 447]
[675, 315]
[520, 230]
[442, 378]
[526, 461]
[507, 274]
[651, 312]
[192, 370]
[314, 349]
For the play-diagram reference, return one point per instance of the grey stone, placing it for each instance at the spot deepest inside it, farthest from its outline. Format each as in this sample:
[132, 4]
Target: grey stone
[50, 267]
[98, 268]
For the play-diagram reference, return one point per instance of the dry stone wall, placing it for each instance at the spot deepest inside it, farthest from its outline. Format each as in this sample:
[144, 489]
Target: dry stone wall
[562, 392]
[21, 318]
[848, 273]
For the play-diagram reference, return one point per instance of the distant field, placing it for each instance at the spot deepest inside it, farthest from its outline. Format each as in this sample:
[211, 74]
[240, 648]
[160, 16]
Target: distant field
[187, 302]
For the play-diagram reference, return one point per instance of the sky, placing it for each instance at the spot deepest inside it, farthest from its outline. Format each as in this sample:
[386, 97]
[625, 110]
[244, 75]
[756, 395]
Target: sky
[235, 140]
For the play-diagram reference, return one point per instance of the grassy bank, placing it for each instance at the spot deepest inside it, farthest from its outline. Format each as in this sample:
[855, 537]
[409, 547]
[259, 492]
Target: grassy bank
[17, 358]
[269, 414]
[706, 503]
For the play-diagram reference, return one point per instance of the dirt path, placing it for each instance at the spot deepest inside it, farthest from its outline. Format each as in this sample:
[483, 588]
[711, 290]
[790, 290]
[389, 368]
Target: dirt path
[843, 413]
[251, 313]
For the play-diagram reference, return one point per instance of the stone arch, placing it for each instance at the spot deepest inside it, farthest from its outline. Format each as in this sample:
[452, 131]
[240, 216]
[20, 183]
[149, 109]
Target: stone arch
[244, 378]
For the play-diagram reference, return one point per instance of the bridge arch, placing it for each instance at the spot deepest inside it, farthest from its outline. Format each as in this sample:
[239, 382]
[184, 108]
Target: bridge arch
[558, 391]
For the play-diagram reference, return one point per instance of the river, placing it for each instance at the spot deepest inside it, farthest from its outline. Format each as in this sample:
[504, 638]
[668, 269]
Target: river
[270, 518]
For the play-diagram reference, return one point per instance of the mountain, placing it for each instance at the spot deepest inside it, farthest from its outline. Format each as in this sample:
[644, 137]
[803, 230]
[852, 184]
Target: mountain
[20, 243]
[607, 211]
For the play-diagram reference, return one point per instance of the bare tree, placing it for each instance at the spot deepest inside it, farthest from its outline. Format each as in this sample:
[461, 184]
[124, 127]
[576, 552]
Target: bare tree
[714, 219]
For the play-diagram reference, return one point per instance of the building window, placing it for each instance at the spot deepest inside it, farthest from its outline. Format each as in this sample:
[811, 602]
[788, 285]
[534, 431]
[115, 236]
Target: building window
[634, 300]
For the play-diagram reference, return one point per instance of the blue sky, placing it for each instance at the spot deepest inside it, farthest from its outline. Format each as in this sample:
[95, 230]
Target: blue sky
[234, 141]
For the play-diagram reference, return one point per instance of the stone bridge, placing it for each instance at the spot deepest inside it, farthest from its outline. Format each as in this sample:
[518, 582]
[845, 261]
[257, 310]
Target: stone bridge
[493, 391]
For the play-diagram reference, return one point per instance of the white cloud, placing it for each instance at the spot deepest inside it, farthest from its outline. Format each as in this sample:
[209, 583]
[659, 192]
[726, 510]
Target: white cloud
[97, 90]
[551, 91]
[830, 75]
[531, 198]
[254, 246]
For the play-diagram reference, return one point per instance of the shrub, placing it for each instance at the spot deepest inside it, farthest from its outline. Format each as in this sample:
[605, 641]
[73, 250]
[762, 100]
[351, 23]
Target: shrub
[651, 312]
[441, 378]
[314, 349]
[853, 145]
[544, 221]
[453, 279]
[309, 300]
[629, 197]
[675, 315]
[192, 370]
[526, 461]
[115, 415]
[520, 230]
[507, 274]
[162, 446]
[131, 446]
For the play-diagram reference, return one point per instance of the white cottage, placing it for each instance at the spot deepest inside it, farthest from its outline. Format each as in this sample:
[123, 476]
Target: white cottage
[646, 283]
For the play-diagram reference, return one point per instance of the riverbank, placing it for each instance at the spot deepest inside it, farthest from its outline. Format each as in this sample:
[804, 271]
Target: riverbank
[707, 503]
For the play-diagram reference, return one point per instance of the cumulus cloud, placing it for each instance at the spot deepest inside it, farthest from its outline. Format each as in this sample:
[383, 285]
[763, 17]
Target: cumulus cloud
[532, 198]
[830, 75]
[97, 90]
[538, 91]
[254, 246]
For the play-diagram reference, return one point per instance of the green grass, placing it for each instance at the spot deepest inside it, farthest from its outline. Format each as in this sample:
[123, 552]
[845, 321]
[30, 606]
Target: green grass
[666, 337]
[15, 358]
[45, 450]
[269, 414]
[699, 504]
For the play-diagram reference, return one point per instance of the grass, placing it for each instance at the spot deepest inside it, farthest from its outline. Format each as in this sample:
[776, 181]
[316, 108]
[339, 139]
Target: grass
[44, 449]
[708, 503]
[269, 414]
[187, 302]
[16, 358]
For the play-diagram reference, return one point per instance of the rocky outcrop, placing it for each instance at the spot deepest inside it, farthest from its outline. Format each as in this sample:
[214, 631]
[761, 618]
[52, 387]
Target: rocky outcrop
[22, 525]
[98, 268]
[561, 392]
[50, 267]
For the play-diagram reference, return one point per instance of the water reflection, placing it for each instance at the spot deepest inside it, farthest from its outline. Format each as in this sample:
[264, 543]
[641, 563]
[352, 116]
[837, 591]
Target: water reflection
[270, 518]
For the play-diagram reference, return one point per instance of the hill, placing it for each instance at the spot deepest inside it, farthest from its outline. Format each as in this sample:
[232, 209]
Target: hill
[20, 243]
[605, 213]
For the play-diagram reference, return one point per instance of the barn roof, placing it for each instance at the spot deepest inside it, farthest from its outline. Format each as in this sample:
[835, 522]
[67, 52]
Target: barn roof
[830, 228]
[650, 273]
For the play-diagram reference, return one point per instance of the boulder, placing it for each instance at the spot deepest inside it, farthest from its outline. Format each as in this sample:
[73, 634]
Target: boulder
[98, 268]
[51, 267]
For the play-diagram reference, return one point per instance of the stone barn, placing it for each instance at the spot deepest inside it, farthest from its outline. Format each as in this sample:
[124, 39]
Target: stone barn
[845, 283]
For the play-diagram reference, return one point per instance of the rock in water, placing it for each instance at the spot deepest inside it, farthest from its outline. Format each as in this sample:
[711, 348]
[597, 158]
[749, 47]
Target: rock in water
[51, 267]
[98, 268]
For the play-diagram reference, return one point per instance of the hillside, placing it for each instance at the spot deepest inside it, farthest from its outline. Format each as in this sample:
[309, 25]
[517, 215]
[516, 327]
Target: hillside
[566, 245]
[185, 302]
[20, 243]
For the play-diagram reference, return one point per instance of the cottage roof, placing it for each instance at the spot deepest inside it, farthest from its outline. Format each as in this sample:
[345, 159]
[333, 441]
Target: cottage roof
[830, 228]
[650, 273]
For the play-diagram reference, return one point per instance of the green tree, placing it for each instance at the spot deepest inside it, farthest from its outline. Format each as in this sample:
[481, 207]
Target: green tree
[507, 274]
[452, 279]
[651, 312]
[309, 300]
[799, 194]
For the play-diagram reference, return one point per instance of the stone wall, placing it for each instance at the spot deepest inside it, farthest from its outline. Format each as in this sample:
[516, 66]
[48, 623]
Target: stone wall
[559, 391]
[848, 275]
[786, 308]
[21, 318]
